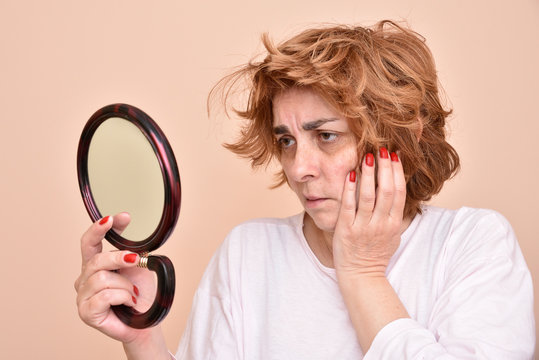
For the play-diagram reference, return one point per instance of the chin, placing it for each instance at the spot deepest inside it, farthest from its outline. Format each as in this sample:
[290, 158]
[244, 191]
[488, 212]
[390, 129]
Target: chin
[323, 221]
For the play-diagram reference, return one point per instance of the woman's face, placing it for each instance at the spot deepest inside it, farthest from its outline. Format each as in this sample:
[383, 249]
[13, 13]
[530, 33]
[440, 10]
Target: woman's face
[318, 150]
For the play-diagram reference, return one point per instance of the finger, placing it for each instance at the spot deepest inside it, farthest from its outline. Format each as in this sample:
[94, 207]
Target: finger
[399, 199]
[347, 211]
[367, 195]
[91, 240]
[102, 280]
[121, 221]
[113, 260]
[386, 186]
[101, 302]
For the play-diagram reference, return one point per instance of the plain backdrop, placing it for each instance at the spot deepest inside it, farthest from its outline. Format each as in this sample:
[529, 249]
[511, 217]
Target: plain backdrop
[61, 60]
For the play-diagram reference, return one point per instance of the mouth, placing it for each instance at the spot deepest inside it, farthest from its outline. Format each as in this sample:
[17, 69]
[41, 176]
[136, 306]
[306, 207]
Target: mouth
[314, 201]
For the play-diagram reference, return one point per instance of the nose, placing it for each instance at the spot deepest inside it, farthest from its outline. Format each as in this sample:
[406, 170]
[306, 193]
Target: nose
[305, 163]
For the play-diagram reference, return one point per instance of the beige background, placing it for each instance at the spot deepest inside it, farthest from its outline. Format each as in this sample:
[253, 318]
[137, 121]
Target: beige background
[61, 60]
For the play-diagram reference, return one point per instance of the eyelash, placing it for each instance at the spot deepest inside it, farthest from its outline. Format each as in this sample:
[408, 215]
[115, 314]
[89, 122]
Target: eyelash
[332, 135]
[281, 142]
[325, 137]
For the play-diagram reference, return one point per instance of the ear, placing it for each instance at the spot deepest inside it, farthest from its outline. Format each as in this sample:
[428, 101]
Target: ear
[419, 130]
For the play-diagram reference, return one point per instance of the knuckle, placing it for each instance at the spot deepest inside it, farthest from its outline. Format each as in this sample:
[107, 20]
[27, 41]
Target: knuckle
[400, 188]
[91, 307]
[105, 296]
[368, 198]
[348, 206]
[103, 278]
[386, 193]
[84, 310]
[378, 230]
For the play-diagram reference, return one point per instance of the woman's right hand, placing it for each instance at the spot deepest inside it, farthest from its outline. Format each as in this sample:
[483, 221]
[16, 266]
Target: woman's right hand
[111, 278]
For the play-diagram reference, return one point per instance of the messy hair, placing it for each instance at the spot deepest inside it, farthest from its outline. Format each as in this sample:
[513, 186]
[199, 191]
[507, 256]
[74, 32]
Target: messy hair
[381, 79]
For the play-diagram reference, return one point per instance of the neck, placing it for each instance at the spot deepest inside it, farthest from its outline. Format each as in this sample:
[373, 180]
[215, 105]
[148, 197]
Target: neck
[321, 242]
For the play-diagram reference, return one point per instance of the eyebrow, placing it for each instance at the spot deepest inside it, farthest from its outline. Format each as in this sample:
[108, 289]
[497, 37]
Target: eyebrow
[311, 125]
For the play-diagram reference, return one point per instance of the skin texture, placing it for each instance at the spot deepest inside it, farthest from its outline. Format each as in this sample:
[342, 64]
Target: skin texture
[353, 227]
[317, 153]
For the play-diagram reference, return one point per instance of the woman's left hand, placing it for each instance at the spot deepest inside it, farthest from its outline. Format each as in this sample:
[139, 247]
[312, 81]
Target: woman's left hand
[368, 230]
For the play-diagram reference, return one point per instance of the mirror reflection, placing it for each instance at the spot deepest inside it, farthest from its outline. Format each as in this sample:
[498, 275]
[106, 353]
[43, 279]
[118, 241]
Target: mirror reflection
[125, 176]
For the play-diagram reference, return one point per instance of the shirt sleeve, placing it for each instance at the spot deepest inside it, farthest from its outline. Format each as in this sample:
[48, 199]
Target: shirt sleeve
[484, 307]
[211, 328]
[209, 334]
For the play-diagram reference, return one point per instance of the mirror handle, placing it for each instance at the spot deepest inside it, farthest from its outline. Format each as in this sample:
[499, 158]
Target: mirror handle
[166, 282]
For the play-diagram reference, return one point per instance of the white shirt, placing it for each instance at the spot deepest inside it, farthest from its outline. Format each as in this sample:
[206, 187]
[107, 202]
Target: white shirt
[460, 274]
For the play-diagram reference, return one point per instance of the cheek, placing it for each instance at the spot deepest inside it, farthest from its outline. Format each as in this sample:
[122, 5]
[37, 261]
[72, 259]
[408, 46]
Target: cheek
[285, 176]
[337, 173]
[343, 164]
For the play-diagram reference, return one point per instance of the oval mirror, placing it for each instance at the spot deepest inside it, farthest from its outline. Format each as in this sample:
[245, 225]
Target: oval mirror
[124, 175]
[125, 164]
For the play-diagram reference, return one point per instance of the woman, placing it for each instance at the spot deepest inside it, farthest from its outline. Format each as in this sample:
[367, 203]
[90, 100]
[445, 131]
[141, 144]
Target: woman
[354, 117]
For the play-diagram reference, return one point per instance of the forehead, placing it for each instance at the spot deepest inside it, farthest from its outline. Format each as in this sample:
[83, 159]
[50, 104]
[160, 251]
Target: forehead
[300, 106]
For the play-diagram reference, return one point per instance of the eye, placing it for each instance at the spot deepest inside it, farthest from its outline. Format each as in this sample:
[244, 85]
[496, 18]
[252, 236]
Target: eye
[327, 136]
[285, 142]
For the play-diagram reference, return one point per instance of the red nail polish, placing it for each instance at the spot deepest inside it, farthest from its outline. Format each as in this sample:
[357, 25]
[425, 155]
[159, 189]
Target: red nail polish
[134, 299]
[394, 157]
[130, 258]
[369, 159]
[353, 176]
[135, 289]
[104, 220]
[383, 153]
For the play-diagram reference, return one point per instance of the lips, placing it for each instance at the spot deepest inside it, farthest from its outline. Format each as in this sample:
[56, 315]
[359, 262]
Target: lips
[313, 201]
[311, 197]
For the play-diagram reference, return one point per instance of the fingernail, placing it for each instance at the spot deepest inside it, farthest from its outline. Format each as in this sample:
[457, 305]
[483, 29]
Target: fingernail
[394, 157]
[104, 220]
[135, 289]
[369, 159]
[134, 299]
[383, 153]
[353, 176]
[130, 258]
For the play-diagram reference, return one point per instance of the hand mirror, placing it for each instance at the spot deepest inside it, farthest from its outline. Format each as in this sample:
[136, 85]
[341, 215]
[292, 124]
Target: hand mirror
[125, 164]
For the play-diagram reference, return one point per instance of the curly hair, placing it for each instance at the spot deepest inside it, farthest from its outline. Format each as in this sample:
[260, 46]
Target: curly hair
[381, 79]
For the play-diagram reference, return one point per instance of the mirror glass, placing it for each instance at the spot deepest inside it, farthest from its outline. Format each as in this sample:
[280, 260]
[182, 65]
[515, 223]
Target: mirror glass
[125, 176]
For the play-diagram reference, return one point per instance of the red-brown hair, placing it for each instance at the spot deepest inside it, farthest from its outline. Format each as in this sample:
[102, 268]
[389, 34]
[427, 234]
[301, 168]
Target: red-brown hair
[382, 79]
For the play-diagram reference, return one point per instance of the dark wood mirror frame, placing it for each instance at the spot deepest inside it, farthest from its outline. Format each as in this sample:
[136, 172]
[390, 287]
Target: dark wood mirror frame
[171, 210]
